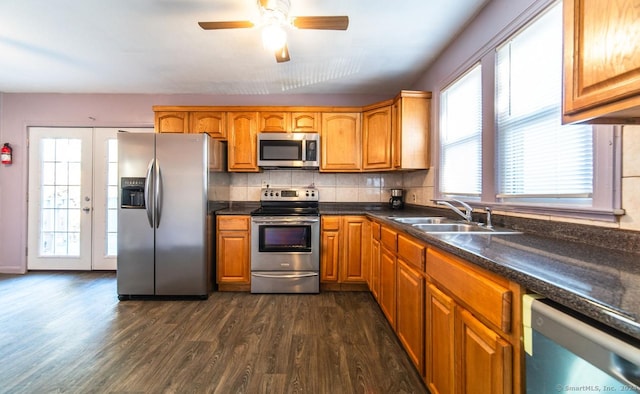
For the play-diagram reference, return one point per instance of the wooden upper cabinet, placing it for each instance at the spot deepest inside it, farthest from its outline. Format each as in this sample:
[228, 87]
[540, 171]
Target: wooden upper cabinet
[305, 122]
[210, 122]
[172, 122]
[601, 61]
[242, 146]
[410, 128]
[274, 122]
[377, 139]
[340, 142]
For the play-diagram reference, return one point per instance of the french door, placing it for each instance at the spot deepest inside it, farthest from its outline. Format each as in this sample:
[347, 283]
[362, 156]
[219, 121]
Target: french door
[73, 192]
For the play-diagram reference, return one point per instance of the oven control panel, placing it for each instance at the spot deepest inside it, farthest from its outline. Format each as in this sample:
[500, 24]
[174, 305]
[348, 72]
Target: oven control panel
[289, 194]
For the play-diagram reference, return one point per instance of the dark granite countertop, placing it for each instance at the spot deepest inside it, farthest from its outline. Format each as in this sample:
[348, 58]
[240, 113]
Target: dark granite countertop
[600, 282]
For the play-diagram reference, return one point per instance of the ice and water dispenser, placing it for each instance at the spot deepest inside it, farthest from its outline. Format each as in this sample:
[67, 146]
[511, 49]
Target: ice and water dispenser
[132, 192]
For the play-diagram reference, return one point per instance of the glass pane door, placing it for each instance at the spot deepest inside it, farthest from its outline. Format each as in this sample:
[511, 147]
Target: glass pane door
[60, 198]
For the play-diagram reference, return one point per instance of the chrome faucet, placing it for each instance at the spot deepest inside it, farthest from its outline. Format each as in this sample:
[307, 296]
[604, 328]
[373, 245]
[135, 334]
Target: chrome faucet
[466, 215]
[489, 225]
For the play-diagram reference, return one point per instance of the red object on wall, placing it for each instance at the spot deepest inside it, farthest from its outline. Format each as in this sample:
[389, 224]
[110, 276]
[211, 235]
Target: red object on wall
[6, 154]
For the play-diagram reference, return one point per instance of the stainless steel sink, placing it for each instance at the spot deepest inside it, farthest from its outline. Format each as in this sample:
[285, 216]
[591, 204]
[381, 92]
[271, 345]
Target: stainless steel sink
[456, 228]
[419, 219]
[443, 225]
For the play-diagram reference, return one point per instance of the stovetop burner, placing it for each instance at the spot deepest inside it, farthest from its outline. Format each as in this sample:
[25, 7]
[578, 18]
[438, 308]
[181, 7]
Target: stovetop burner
[288, 202]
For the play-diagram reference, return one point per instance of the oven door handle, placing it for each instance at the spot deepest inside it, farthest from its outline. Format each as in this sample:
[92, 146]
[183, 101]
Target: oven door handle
[286, 221]
[286, 276]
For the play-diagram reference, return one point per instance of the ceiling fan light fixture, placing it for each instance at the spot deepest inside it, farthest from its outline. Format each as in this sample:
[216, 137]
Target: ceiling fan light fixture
[274, 37]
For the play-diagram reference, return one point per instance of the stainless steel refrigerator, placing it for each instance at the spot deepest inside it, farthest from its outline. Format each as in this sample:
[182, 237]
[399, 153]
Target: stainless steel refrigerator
[162, 215]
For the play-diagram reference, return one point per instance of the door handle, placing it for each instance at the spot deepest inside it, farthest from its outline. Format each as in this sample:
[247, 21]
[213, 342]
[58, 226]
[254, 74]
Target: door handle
[147, 195]
[86, 209]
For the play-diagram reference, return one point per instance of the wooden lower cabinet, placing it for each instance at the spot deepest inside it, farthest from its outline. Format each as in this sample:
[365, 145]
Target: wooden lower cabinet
[345, 251]
[484, 358]
[356, 252]
[410, 311]
[387, 295]
[329, 248]
[374, 266]
[233, 252]
[439, 342]
[473, 329]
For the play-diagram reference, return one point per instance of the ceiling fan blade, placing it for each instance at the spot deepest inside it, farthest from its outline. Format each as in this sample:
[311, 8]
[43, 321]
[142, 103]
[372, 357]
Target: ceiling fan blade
[321, 22]
[225, 25]
[282, 55]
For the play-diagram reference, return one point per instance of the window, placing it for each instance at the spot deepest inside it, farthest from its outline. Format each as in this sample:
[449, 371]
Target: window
[521, 157]
[538, 159]
[461, 136]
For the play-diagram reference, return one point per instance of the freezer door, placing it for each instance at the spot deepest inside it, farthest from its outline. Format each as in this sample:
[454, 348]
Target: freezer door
[135, 275]
[181, 247]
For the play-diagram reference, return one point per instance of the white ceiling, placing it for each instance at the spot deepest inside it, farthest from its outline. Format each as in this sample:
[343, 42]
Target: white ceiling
[157, 47]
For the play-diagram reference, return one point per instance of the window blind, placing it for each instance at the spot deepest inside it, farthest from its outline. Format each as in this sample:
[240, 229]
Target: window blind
[461, 136]
[538, 159]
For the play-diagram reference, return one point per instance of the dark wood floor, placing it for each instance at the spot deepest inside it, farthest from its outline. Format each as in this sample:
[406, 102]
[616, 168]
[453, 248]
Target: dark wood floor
[67, 332]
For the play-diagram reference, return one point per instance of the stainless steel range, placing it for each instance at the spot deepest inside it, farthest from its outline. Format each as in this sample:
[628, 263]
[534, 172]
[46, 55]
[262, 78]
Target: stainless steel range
[285, 242]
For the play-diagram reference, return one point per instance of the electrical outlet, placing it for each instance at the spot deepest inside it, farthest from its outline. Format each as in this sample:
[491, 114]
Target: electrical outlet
[413, 197]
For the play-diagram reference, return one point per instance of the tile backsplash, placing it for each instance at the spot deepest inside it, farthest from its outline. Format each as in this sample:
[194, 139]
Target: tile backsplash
[333, 187]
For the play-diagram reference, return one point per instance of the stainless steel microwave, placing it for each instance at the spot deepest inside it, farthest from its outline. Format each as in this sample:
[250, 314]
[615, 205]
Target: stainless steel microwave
[289, 150]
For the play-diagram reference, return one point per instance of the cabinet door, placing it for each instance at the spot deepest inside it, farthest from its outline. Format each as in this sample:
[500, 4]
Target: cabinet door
[305, 122]
[484, 358]
[242, 145]
[374, 276]
[210, 122]
[387, 298]
[340, 141]
[356, 253]
[410, 312]
[376, 139]
[172, 122]
[274, 122]
[233, 257]
[233, 250]
[439, 342]
[410, 130]
[329, 248]
[601, 60]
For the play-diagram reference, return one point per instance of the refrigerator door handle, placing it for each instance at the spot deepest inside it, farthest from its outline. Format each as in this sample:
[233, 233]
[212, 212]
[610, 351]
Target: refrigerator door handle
[158, 194]
[147, 196]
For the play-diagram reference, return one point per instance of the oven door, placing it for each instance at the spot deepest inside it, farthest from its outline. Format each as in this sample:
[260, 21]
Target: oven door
[285, 243]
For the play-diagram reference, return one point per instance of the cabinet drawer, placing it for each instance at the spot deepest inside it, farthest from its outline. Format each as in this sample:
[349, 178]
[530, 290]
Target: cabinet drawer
[233, 223]
[389, 239]
[331, 222]
[479, 293]
[411, 251]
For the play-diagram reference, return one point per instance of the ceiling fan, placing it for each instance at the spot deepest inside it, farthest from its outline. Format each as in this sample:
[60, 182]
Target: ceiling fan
[274, 18]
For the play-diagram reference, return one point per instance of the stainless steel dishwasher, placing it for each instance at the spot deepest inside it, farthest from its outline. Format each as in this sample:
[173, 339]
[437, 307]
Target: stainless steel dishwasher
[568, 352]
